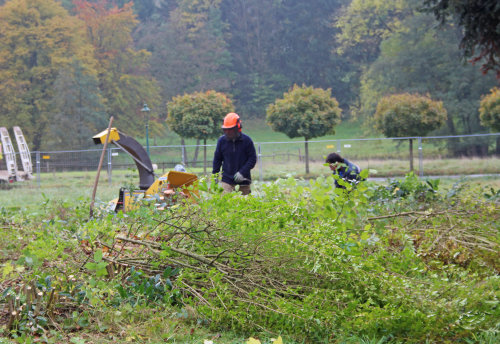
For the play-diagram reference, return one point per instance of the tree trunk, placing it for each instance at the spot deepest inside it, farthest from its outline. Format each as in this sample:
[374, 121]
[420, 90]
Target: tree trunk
[184, 153]
[307, 155]
[197, 149]
[204, 156]
[411, 155]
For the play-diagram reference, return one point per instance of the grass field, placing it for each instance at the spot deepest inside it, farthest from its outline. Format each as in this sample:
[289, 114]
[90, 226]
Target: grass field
[74, 186]
[259, 131]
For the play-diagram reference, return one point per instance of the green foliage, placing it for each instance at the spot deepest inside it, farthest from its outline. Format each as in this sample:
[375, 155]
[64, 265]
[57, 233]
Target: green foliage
[189, 48]
[489, 110]
[198, 115]
[304, 112]
[367, 279]
[366, 23]
[98, 266]
[492, 194]
[274, 44]
[408, 115]
[480, 20]
[302, 258]
[410, 187]
[404, 65]
[34, 305]
[300, 47]
[78, 108]
[138, 288]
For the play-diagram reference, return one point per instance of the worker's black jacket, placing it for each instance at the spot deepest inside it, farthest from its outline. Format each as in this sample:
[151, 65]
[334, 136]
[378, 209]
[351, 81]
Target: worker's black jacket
[349, 172]
[234, 156]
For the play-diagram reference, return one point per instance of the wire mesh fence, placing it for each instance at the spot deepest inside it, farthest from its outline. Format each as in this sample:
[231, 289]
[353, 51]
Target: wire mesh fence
[384, 157]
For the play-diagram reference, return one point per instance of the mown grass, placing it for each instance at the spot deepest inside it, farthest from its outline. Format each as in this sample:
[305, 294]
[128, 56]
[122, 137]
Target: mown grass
[259, 131]
[73, 186]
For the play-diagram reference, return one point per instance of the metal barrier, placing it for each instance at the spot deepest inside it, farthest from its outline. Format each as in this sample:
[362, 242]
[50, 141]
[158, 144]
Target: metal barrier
[276, 159]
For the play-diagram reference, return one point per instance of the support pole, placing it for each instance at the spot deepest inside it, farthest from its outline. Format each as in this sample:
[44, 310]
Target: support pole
[420, 158]
[38, 168]
[110, 168]
[411, 155]
[205, 157]
[99, 168]
[261, 177]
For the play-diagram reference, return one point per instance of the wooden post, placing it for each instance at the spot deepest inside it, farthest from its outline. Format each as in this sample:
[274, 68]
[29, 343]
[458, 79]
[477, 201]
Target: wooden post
[99, 168]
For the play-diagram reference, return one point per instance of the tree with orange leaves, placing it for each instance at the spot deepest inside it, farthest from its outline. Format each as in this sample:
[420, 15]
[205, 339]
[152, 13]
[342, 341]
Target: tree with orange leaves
[123, 71]
[39, 39]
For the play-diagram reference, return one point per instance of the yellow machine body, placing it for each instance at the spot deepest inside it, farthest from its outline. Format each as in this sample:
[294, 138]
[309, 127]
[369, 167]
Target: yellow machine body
[174, 181]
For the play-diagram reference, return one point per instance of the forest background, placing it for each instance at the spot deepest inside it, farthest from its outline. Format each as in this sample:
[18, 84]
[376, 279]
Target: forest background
[66, 66]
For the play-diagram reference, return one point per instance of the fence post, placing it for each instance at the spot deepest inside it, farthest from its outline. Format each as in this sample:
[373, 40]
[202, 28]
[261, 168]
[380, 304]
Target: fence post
[110, 167]
[338, 147]
[260, 162]
[420, 158]
[38, 168]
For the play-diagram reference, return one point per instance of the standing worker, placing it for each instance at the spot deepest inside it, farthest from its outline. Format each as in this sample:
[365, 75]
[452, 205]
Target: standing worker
[235, 152]
[345, 169]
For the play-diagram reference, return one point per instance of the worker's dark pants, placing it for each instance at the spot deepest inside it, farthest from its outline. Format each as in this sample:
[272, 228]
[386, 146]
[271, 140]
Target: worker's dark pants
[244, 189]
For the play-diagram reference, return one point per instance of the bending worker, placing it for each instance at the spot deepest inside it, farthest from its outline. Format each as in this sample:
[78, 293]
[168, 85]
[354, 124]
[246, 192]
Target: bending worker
[235, 152]
[343, 168]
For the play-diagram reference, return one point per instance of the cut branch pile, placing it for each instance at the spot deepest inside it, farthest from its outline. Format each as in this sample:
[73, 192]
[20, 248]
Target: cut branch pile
[251, 269]
[451, 235]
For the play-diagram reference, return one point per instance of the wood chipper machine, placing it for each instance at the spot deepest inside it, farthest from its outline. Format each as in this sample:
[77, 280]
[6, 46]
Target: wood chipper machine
[166, 188]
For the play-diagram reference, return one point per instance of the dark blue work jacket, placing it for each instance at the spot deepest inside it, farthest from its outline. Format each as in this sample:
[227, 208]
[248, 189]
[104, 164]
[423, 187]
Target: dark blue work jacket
[349, 172]
[234, 156]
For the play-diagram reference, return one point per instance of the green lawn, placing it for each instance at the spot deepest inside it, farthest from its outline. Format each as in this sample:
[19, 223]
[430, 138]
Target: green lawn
[73, 186]
[259, 131]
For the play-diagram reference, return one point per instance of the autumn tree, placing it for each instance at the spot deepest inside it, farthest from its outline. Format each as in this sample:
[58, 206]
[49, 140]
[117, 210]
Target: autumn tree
[404, 115]
[199, 115]
[489, 112]
[122, 70]
[38, 40]
[304, 112]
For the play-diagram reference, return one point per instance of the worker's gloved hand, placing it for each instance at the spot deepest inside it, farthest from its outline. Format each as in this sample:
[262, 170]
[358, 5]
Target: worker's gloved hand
[238, 177]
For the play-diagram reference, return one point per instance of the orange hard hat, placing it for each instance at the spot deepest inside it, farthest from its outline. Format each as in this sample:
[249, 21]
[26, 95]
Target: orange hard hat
[231, 120]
